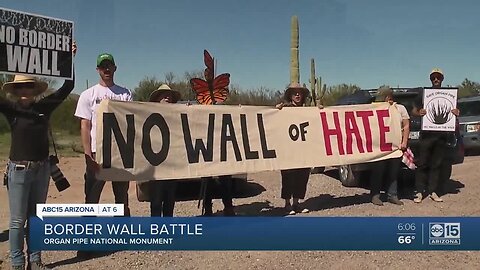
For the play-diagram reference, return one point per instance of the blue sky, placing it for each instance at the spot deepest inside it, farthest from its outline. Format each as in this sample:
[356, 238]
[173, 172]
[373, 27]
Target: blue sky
[368, 43]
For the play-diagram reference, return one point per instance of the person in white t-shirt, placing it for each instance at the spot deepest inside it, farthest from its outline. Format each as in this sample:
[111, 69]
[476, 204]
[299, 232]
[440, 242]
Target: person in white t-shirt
[86, 111]
[387, 170]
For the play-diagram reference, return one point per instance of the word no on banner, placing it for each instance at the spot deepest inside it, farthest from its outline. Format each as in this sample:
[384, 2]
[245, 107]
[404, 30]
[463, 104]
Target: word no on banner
[144, 141]
[35, 45]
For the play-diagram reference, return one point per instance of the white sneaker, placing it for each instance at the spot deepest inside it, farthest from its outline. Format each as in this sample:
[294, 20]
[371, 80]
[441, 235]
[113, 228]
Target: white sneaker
[418, 198]
[435, 197]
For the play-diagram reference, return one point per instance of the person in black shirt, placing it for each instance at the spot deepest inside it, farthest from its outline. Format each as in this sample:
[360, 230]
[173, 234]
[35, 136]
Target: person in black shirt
[28, 166]
[162, 192]
[432, 149]
[294, 181]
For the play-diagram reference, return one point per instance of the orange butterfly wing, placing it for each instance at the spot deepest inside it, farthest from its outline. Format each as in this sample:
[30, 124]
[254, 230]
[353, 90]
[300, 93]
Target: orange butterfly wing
[221, 81]
[220, 95]
[204, 98]
[199, 85]
[220, 90]
[202, 90]
[208, 60]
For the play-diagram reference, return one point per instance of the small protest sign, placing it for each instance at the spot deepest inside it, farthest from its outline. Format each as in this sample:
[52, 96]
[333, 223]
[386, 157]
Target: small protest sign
[439, 104]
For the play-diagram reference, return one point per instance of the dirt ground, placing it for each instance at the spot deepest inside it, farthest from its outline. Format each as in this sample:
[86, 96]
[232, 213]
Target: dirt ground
[325, 197]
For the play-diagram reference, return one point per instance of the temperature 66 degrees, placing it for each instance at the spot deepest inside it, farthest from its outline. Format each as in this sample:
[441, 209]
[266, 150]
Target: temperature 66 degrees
[406, 226]
[406, 239]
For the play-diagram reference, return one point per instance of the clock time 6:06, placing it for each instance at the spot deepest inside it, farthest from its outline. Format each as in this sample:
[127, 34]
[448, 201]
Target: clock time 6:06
[406, 226]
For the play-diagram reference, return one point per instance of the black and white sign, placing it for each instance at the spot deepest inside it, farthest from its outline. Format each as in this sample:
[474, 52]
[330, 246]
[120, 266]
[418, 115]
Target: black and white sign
[439, 104]
[34, 44]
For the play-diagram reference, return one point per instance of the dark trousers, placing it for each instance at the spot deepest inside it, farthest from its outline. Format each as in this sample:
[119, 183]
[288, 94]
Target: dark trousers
[226, 184]
[445, 174]
[429, 163]
[385, 171]
[294, 183]
[162, 198]
[94, 187]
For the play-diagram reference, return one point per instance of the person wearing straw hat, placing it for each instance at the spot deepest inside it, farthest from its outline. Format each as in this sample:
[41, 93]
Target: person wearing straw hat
[28, 166]
[295, 96]
[294, 181]
[86, 111]
[162, 192]
[432, 150]
[164, 94]
[387, 170]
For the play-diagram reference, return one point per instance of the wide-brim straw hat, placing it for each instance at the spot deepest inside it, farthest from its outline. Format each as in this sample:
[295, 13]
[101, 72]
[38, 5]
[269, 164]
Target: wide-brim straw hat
[38, 86]
[163, 89]
[295, 86]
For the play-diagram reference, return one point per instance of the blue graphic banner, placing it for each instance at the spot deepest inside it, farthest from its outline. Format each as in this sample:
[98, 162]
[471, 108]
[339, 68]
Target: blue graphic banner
[255, 233]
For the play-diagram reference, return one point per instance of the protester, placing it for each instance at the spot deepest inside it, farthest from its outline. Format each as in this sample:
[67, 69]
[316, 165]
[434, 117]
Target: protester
[162, 192]
[387, 170]
[294, 181]
[432, 149]
[226, 186]
[86, 111]
[28, 167]
[436, 78]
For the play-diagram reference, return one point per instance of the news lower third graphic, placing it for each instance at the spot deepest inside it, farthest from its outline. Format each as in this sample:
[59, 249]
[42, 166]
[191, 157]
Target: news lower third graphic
[98, 228]
[79, 210]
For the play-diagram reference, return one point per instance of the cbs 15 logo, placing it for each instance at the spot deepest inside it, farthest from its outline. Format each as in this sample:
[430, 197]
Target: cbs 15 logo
[444, 233]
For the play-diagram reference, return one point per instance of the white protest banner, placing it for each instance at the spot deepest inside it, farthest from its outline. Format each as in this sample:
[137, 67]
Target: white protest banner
[145, 141]
[35, 45]
[439, 103]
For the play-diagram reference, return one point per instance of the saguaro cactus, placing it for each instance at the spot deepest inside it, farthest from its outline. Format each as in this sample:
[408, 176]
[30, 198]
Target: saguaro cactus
[313, 82]
[294, 66]
[319, 90]
[323, 91]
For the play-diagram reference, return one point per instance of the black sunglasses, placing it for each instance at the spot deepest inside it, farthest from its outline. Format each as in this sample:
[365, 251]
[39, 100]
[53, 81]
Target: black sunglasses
[436, 76]
[107, 65]
[28, 85]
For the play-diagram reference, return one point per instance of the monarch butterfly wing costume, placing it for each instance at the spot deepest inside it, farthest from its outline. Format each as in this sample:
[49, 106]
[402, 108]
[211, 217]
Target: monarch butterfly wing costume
[220, 90]
[211, 90]
[202, 91]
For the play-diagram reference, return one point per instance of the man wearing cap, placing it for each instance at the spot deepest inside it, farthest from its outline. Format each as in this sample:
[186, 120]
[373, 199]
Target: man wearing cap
[294, 181]
[161, 193]
[387, 170]
[86, 111]
[432, 150]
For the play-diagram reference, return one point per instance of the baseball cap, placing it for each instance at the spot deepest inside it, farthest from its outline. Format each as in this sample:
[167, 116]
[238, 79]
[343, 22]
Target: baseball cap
[383, 92]
[105, 56]
[436, 70]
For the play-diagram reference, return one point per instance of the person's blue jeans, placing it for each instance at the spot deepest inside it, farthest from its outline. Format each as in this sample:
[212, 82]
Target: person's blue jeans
[26, 188]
